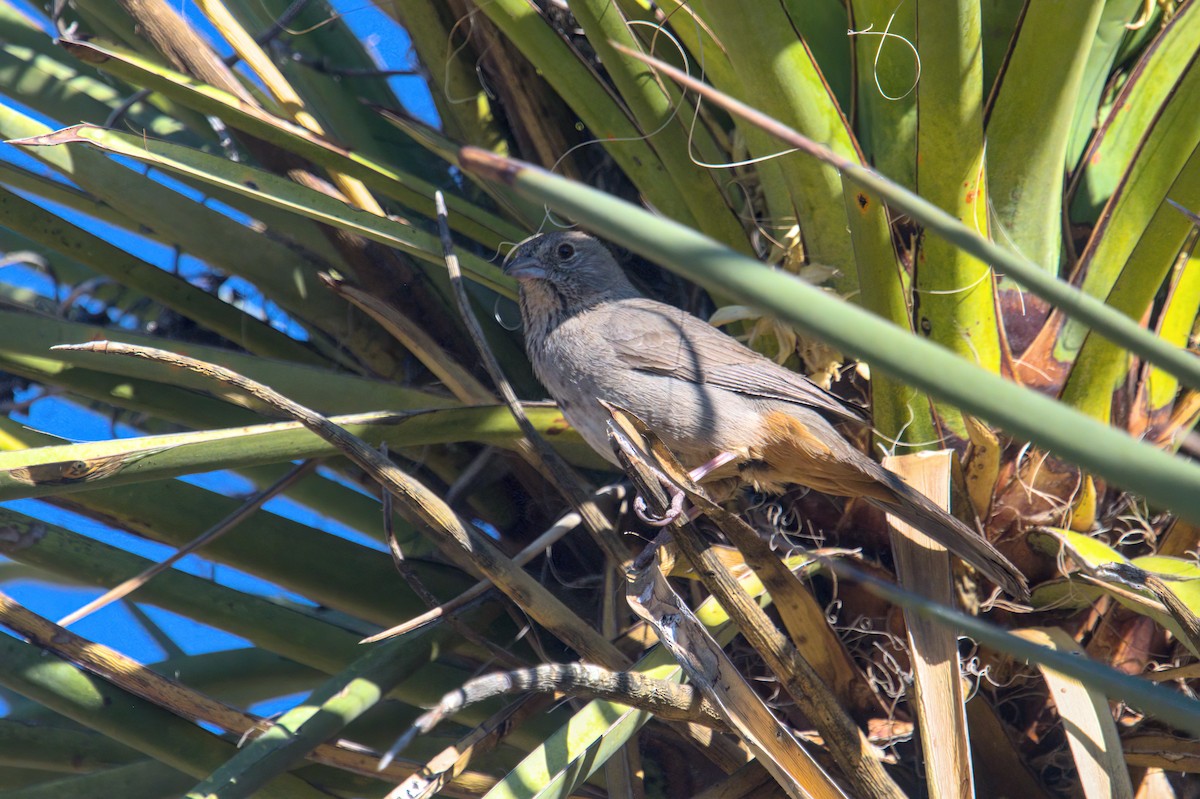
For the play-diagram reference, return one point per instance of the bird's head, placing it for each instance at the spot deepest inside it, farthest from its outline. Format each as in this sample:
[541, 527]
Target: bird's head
[568, 270]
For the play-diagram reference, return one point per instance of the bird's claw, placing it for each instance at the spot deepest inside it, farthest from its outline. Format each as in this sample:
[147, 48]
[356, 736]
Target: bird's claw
[673, 512]
[676, 507]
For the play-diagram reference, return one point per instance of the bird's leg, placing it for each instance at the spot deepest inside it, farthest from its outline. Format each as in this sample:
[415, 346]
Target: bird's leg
[704, 470]
[676, 507]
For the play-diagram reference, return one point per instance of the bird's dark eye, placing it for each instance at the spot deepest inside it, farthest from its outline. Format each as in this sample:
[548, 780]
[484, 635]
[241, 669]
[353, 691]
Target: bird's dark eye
[566, 251]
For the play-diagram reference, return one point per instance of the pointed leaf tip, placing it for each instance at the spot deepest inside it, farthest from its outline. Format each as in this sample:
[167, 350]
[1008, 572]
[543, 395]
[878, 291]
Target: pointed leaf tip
[84, 51]
[69, 135]
[489, 166]
[88, 346]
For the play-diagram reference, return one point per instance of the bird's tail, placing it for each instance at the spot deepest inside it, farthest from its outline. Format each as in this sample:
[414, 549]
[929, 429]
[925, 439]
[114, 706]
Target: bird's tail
[801, 447]
[921, 512]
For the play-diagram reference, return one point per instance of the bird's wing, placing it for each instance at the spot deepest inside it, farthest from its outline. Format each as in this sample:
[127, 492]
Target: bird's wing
[654, 337]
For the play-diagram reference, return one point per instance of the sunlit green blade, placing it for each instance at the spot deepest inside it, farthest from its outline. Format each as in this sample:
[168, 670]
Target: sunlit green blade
[1180, 309]
[596, 107]
[1182, 577]
[74, 467]
[887, 70]
[320, 716]
[1026, 162]
[1159, 163]
[467, 113]
[1110, 34]
[778, 75]
[824, 25]
[687, 24]
[1153, 79]
[1101, 365]
[954, 288]
[654, 111]
[899, 413]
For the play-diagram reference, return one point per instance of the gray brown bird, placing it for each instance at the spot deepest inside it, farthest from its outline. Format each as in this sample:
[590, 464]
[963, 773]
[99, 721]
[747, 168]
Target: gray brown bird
[591, 335]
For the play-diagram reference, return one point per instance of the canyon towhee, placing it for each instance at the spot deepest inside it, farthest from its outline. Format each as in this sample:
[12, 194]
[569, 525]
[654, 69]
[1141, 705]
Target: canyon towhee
[590, 335]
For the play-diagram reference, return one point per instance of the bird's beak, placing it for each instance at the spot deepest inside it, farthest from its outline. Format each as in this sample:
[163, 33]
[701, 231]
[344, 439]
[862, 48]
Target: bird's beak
[525, 268]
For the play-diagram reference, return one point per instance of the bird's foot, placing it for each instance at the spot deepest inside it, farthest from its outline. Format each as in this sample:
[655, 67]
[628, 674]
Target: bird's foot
[675, 509]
